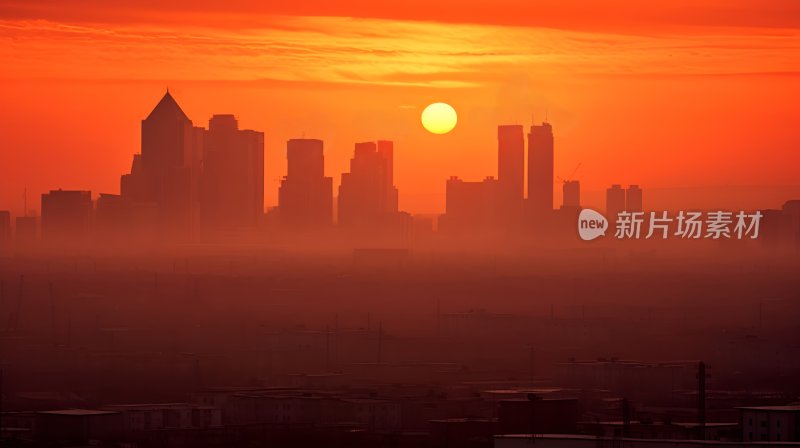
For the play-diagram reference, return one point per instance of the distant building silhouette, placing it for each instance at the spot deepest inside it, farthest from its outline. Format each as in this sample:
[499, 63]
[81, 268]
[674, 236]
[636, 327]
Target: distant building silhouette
[511, 173]
[615, 201]
[232, 180]
[5, 230]
[792, 210]
[511, 160]
[633, 199]
[305, 196]
[167, 171]
[66, 216]
[111, 216]
[540, 168]
[367, 197]
[571, 191]
[470, 205]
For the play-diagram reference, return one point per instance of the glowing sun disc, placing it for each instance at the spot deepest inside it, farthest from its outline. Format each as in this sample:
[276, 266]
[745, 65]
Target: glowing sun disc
[439, 118]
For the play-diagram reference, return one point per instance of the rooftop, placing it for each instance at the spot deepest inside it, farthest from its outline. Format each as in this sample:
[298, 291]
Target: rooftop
[77, 412]
[787, 408]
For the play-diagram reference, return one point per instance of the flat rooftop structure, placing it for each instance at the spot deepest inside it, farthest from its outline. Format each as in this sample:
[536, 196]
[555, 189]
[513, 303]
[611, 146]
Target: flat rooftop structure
[581, 441]
[787, 408]
[77, 412]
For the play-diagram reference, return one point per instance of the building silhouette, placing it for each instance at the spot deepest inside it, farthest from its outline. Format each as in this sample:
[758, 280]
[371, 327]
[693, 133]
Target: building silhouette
[5, 230]
[367, 196]
[511, 173]
[471, 206]
[540, 168]
[232, 179]
[165, 175]
[615, 201]
[511, 160]
[633, 199]
[111, 216]
[66, 216]
[305, 196]
[571, 191]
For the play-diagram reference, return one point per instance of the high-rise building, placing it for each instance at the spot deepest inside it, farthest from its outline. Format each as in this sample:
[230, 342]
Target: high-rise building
[166, 173]
[5, 229]
[232, 179]
[66, 216]
[633, 199]
[305, 196]
[615, 201]
[540, 168]
[111, 217]
[511, 160]
[571, 190]
[470, 205]
[367, 197]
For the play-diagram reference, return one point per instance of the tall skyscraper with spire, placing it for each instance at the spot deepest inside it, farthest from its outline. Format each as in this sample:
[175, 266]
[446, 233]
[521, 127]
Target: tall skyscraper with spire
[165, 175]
[540, 168]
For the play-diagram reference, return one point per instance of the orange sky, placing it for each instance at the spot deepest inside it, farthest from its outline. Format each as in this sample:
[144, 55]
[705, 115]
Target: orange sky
[699, 94]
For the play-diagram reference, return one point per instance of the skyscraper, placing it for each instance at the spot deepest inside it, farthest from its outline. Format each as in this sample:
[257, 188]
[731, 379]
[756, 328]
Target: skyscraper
[511, 160]
[633, 199]
[540, 168]
[367, 197]
[232, 180]
[305, 196]
[571, 190]
[66, 216]
[615, 201]
[5, 229]
[166, 173]
[471, 205]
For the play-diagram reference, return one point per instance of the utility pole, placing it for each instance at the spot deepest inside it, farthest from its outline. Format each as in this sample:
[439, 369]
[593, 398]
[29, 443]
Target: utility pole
[701, 399]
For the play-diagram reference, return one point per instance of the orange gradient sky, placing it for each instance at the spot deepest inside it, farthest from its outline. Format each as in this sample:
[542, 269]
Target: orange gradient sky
[701, 96]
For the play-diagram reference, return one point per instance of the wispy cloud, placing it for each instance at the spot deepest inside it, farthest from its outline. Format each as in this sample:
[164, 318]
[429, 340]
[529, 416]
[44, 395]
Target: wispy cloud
[374, 51]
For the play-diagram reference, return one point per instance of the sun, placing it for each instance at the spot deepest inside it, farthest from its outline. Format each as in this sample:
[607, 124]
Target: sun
[439, 118]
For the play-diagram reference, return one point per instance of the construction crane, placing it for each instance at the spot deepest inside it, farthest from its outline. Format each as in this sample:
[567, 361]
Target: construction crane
[569, 179]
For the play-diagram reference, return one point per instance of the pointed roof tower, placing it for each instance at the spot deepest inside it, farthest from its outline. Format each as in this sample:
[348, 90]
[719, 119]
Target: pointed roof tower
[168, 107]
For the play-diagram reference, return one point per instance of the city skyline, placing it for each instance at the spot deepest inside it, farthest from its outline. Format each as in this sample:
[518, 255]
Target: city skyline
[506, 134]
[656, 101]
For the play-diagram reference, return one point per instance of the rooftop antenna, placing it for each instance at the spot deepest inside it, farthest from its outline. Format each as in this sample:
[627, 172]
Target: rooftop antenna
[25, 202]
[545, 115]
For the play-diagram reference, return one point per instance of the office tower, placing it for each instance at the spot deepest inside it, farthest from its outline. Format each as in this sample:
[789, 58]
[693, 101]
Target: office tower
[5, 229]
[166, 173]
[66, 216]
[470, 205]
[792, 210]
[571, 191]
[615, 201]
[540, 168]
[232, 179]
[5, 225]
[305, 196]
[111, 216]
[367, 196]
[511, 159]
[633, 199]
